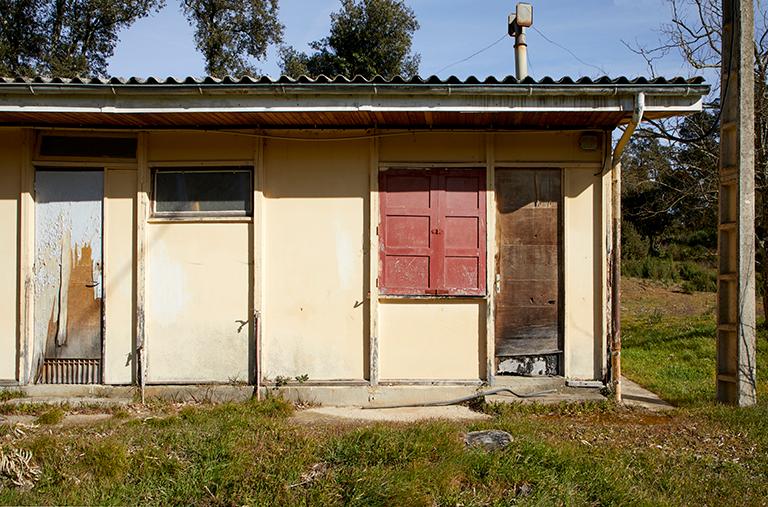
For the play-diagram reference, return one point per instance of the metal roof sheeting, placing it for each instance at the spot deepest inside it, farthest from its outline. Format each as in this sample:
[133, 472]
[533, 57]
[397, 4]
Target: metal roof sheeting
[376, 80]
[339, 102]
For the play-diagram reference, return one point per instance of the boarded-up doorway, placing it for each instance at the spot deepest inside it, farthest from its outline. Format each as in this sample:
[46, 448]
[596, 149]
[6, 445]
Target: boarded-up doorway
[68, 276]
[529, 276]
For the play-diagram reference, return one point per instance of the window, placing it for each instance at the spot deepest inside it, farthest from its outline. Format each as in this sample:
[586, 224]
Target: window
[432, 232]
[88, 146]
[209, 191]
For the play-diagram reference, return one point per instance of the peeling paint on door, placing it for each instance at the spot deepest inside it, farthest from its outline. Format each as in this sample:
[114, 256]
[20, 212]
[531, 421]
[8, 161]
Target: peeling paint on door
[68, 275]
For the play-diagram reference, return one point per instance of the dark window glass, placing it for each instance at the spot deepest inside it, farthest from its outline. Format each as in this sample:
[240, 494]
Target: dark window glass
[210, 191]
[90, 147]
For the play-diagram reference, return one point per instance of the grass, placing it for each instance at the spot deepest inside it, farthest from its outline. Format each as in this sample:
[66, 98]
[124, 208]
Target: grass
[669, 345]
[253, 453]
[53, 415]
[10, 394]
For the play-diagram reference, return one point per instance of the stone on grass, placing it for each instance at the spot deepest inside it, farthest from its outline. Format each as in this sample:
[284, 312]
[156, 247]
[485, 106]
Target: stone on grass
[488, 440]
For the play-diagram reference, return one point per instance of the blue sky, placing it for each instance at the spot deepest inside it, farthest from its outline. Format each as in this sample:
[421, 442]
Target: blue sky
[451, 30]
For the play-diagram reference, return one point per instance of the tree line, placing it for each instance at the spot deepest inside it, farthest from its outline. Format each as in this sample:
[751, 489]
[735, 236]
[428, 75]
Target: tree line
[77, 37]
[671, 169]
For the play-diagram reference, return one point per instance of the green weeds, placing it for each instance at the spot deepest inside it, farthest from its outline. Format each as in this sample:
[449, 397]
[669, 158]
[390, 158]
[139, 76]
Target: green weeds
[11, 394]
[51, 416]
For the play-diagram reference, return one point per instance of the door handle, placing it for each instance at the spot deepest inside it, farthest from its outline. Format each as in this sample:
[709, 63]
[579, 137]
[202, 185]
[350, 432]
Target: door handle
[92, 284]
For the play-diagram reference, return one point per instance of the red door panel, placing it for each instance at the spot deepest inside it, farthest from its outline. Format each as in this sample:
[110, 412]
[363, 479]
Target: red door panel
[462, 217]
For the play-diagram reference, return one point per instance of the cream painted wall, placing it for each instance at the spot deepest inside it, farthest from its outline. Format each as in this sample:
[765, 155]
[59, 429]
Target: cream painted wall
[583, 274]
[434, 340]
[198, 289]
[10, 183]
[197, 302]
[119, 219]
[198, 146]
[315, 265]
[556, 147]
[433, 148]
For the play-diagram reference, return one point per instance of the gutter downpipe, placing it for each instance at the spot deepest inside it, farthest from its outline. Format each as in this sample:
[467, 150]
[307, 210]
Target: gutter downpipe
[615, 274]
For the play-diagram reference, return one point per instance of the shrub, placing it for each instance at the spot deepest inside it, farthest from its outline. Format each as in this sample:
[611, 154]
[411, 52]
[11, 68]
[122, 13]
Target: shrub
[697, 278]
[53, 415]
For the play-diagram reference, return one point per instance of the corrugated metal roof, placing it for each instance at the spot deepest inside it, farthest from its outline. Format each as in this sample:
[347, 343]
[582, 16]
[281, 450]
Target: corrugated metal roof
[339, 102]
[376, 80]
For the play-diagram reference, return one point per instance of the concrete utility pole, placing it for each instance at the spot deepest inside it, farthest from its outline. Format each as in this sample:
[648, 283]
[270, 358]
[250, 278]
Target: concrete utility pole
[736, 236]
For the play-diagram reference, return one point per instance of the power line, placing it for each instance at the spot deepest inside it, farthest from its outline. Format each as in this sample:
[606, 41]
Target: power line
[600, 69]
[486, 48]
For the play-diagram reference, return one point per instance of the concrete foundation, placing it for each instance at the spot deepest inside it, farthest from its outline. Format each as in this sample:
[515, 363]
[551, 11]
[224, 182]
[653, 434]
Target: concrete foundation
[361, 395]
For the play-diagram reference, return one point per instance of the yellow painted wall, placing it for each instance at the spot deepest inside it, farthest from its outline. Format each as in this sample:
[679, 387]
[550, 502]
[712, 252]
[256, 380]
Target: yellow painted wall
[315, 266]
[560, 147]
[315, 216]
[583, 272]
[119, 248]
[10, 185]
[198, 278]
[197, 302]
[433, 148]
[198, 146]
[432, 340]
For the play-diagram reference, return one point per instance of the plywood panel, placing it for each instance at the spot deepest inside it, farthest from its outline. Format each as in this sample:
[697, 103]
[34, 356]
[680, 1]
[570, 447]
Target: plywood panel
[11, 143]
[528, 302]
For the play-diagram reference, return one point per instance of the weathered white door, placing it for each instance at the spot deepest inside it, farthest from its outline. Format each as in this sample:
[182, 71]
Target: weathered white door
[68, 281]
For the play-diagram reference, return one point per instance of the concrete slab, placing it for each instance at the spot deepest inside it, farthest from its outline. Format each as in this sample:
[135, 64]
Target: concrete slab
[561, 395]
[409, 414]
[68, 420]
[340, 395]
[72, 401]
[634, 395]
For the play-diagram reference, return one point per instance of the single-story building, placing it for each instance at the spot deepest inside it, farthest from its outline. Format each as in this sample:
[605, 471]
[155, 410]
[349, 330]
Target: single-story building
[329, 233]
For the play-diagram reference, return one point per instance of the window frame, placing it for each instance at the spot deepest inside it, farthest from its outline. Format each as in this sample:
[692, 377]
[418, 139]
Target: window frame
[213, 215]
[440, 212]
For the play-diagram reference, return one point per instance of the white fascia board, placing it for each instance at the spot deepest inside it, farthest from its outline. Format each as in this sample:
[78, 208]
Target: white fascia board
[162, 103]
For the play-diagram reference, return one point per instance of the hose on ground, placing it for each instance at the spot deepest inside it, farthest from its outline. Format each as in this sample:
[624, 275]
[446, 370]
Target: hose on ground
[464, 399]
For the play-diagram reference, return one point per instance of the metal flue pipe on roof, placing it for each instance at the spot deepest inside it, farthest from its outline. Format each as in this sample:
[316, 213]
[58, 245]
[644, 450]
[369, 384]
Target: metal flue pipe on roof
[516, 25]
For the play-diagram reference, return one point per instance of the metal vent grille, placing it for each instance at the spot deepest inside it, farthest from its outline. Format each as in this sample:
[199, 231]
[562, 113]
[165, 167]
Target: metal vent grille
[71, 371]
